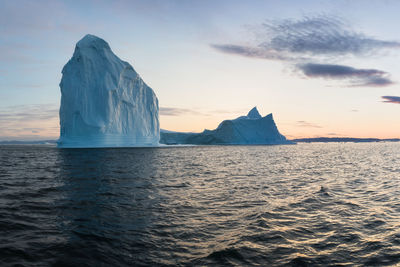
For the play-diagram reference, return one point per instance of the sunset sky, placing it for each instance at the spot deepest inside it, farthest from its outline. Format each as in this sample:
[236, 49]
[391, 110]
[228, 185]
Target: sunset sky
[323, 68]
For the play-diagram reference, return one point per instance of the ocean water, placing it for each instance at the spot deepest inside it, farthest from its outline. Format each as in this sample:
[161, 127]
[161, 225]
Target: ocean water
[335, 204]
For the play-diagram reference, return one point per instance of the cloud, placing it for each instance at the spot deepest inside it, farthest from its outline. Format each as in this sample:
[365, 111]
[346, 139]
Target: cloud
[356, 77]
[254, 52]
[308, 37]
[334, 134]
[25, 121]
[391, 99]
[26, 113]
[168, 111]
[336, 71]
[28, 17]
[307, 124]
[320, 35]
[315, 39]
[228, 111]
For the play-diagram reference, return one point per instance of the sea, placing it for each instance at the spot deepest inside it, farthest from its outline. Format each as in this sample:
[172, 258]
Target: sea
[317, 204]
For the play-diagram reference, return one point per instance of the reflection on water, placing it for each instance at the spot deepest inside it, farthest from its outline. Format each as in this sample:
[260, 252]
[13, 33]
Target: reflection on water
[308, 204]
[102, 203]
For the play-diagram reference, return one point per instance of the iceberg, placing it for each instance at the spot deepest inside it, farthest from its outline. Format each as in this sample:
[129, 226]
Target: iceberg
[252, 129]
[104, 102]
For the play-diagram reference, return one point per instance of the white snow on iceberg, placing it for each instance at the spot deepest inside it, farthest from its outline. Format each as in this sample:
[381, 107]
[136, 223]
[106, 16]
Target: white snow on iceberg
[251, 129]
[104, 102]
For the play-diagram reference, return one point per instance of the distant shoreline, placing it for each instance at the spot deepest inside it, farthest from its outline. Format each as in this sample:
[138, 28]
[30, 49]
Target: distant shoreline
[299, 140]
[24, 142]
[343, 140]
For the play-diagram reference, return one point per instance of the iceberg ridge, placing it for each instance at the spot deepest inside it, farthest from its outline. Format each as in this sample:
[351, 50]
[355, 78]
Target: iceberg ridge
[251, 130]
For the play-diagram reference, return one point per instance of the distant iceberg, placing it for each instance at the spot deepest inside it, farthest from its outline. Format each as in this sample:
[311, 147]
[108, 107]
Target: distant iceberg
[251, 129]
[104, 102]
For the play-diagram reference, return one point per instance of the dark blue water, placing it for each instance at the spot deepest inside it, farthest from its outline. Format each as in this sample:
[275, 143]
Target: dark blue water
[298, 205]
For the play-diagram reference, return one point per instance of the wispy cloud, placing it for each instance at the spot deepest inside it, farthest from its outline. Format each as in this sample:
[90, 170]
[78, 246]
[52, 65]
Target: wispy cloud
[391, 99]
[356, 77]
[169, 111]
[334, 134]
[322, 35]
[307, 124]
[27, 17]
[308, 37]
[28, 113]
[172, 111]
[22, 121]
[248, 51]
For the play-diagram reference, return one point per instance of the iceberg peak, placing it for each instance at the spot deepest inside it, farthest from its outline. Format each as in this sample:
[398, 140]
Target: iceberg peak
[92, 41]
[254, 114]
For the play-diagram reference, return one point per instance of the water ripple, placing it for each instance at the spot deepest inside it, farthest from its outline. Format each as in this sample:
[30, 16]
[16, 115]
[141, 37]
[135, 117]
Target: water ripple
[303, 205]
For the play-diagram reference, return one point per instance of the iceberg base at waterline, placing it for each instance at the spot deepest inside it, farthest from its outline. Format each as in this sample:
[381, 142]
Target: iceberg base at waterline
[106, 140]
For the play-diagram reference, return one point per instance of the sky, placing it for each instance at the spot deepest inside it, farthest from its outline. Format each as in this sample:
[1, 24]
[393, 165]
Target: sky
[323, 68]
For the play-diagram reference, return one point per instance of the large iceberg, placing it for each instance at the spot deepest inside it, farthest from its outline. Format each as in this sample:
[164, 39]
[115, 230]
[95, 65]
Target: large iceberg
[104, 102]
[251, 129]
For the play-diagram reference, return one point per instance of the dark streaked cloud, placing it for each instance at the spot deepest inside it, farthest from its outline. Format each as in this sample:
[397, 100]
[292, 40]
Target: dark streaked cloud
[356, 77]
[377, 81]
[335, 71]
[308, 37]
[307, 124]
[391, 99]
